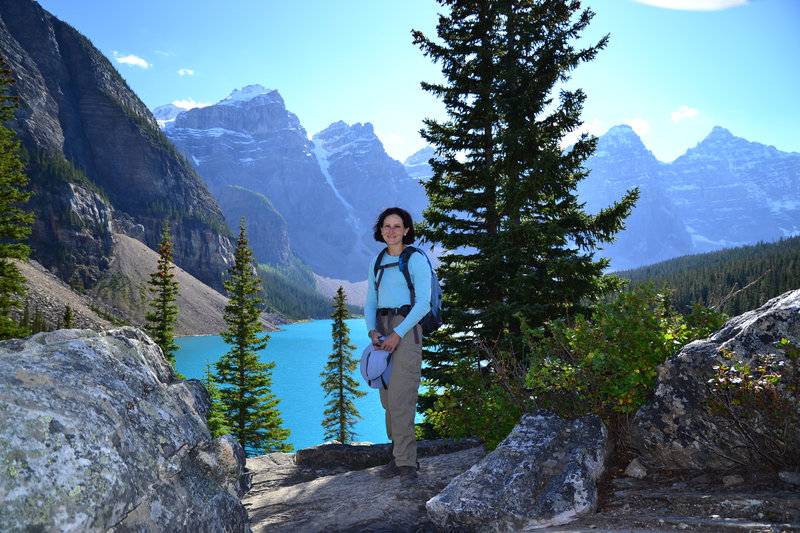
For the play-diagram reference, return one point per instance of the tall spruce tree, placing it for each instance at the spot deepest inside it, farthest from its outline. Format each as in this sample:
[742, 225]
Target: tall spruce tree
[502, 199]
[164, 287]
[340, 387]
[251, 409]
[15, 222]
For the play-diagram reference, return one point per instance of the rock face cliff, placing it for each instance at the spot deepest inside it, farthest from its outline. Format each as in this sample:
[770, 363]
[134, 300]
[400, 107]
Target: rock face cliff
[96, 159]
[267, 231]
[99, 436]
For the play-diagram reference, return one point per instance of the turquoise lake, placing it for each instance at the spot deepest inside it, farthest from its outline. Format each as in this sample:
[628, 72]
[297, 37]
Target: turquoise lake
[300, 352]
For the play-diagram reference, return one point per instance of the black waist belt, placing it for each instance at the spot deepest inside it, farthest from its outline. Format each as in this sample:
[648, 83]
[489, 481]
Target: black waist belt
[402, 311]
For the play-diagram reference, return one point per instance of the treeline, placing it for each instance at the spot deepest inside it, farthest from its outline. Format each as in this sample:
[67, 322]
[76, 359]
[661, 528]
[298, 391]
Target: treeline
[732, 281]
[292, 293]
[51, 167]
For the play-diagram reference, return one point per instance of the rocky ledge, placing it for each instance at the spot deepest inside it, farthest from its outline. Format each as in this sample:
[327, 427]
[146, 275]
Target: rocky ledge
[339, 492]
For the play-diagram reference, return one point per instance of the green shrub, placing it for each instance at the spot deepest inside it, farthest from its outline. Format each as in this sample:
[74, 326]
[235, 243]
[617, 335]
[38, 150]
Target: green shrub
[760, 399]
[606, 364]
[485, 403]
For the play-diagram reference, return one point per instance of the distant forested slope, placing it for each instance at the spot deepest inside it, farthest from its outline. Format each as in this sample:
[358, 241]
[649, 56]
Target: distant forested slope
[715, 279]
[292, 293]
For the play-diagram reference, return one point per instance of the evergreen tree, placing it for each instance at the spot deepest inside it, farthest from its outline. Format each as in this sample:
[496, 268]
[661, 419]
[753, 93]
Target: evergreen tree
[337, 379]
[15, 223]
[39, 323]
[251, 409]
[161, 320]
[216, 413]
[67, 318]
[502, 200]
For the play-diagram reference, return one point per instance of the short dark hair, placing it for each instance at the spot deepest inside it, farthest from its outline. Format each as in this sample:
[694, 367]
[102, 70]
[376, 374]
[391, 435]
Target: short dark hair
[408, 238]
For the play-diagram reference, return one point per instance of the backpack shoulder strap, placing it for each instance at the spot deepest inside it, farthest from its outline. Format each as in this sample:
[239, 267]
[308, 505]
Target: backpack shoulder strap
[378, 261]
[404, 257]
[378, 268]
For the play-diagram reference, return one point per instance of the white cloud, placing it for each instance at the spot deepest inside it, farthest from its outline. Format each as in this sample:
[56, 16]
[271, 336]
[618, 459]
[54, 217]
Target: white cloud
[639, 125]
[188, 104]
[185, 72]
[695, 5]
[683, 112]
[132, 60]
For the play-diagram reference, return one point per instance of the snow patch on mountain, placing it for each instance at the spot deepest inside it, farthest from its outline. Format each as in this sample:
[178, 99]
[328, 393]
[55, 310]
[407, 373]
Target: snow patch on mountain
[165, 115]
[322, 156]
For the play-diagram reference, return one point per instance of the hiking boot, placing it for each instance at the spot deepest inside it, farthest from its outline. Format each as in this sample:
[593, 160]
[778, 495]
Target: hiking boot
[408, 473]
[388, 470]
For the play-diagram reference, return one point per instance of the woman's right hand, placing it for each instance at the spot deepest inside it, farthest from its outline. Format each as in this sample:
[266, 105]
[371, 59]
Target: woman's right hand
[375, 336]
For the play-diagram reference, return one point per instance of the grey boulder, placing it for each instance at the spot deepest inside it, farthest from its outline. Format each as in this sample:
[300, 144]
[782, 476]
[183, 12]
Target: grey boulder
[98, 435]
[676, 428]
[544, 473]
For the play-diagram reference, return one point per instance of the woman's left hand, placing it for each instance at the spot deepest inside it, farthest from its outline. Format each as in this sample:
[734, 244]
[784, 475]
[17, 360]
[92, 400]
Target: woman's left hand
[391, 342]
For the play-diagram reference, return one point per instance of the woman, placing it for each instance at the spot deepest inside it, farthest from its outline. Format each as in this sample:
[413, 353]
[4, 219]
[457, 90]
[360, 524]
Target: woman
[392, 323]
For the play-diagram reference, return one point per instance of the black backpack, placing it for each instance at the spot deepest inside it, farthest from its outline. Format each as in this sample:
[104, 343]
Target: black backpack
[433, 320]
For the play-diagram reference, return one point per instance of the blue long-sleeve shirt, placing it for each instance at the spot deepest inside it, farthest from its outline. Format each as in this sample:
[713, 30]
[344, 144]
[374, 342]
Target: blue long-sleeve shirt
[394, 292]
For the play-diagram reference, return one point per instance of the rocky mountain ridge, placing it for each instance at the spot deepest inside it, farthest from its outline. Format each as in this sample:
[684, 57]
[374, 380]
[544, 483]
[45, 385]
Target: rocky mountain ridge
[328, 188]
[724, 192]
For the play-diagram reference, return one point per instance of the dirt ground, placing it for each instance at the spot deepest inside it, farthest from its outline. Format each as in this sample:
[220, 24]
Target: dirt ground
[745, 500]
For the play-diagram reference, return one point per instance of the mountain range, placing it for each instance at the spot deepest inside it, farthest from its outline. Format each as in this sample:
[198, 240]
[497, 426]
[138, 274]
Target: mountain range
[328, 188]
[724, 192]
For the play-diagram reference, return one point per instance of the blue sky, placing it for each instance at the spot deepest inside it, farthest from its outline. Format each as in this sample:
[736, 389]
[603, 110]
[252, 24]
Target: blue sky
[673, 68]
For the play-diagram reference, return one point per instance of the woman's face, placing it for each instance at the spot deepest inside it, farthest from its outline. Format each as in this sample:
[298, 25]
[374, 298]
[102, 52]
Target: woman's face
[393, 230]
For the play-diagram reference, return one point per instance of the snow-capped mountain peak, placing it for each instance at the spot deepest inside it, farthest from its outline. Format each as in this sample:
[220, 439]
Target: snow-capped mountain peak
[251, 92]
[622, 137]
[165, 115]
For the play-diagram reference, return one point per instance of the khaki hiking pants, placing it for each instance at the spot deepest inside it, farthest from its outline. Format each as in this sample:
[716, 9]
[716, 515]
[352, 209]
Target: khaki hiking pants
[400, 399]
